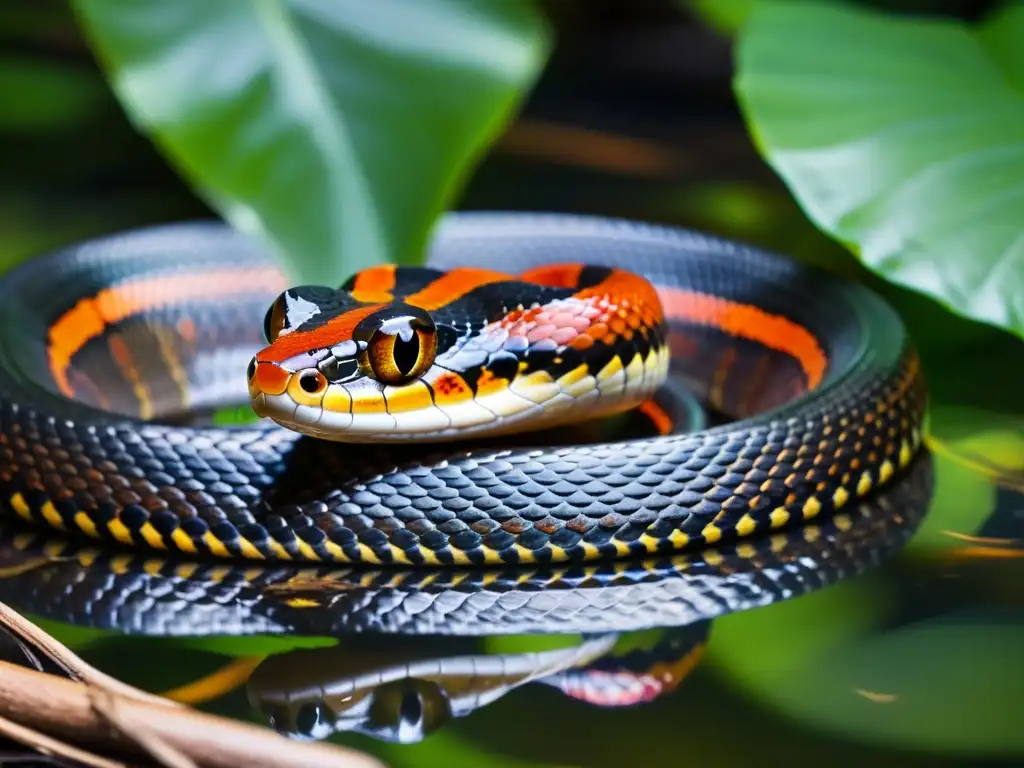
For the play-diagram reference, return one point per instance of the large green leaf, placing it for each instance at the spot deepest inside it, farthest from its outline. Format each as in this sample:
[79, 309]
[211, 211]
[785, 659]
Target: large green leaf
[903, 138]
[336, 129]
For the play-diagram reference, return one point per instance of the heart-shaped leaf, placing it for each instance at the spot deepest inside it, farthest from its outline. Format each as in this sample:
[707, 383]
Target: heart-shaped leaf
[903, 138]
[337, 130]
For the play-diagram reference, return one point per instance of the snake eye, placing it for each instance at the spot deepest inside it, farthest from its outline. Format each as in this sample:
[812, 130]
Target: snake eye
[401, 349]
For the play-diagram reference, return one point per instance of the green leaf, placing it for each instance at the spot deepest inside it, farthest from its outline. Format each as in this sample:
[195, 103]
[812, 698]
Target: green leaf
[339, 131]
[903, 138]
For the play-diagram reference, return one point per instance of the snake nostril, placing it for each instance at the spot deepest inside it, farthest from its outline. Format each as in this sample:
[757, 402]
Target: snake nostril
[251, 370]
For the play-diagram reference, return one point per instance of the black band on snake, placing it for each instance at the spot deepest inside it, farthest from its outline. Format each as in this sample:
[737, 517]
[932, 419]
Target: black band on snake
[111, 352]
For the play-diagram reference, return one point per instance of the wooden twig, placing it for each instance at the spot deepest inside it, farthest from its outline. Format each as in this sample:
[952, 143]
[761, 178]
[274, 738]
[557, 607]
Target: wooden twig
[105, 704]
[65, 709]
[75, 667]
[47, 746]
[53, 715]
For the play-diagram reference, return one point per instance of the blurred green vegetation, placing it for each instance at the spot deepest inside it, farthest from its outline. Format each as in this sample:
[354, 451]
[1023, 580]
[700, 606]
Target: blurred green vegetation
[378, 126]
[912, 155]
[71, 95]
[337, 132]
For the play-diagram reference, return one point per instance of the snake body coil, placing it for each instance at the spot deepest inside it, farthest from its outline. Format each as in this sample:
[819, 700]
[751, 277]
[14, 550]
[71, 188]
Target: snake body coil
[110, 350]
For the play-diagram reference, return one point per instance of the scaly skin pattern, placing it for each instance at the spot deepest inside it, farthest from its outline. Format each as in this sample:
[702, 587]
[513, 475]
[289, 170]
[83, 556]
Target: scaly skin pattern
[138, 592]
[106, 347]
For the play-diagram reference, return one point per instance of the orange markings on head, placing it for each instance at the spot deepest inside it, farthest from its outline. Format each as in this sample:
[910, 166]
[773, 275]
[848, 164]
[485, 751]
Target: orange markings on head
[626, 289]
[375, 285]
[454, 285]
[119, 351]
[69, 334]
[450, 388]
[90, 316]
[618, 306]
[330, 333]
[582, 342]
[598, 332]
[271, 378]
[619, 328]
[746, 321]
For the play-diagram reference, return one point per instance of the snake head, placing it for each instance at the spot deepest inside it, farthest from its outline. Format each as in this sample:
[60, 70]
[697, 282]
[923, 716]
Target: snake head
[333, 361]
[428, 355]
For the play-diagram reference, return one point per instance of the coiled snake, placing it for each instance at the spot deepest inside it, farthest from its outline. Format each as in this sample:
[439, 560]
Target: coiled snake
[112, 351]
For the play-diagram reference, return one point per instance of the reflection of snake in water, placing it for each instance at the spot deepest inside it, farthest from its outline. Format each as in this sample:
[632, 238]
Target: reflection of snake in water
[102, 338]
[403, 693]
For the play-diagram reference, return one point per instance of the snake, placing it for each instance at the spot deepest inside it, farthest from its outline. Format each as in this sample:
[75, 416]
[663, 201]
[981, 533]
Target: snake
[417, 416]
[401, 693]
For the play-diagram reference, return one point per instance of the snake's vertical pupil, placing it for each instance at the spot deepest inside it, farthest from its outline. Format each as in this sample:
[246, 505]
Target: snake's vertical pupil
[399, 347]
[411, 708]
[407, 353]
[309, 716]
